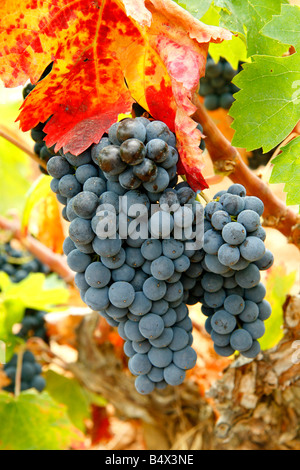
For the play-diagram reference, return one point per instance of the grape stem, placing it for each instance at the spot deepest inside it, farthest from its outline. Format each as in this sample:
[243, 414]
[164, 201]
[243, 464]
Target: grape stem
[14, 139]
[19, 372]
[46, 256]
[227, 160]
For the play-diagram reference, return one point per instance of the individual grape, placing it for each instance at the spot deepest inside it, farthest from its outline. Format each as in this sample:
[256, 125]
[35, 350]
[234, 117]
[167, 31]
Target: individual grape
[229, 255]
[54, 183]
[169, 201]
[141, 304]
[162, 268]
[220, 340]
[107, 247]
[38, 382]
[158, 130]
[223, 322]
[238, 190]
[234, 304]
[161, 385]
[240, 265]
[140, 364]
[253, 249]
[157, 150]
[128, 349]
[260, 233]
[154, 289]
[107, 199]
[80, 282]
[124, 273]
[160, 357]
[256, 294]
[253, 351]
[110, 161]
[212, 242]
[144, 385]
[212, 282]
[215, 299]
[180, 339]
[220, 219]
[161, 224]
[141, 347]
[156, 374]
[97, 299]
[241, 340]
[211, 208]
[234, 233]
[160, 183]
[121, 294]
[172, 249]
[265, 310]
[181, 264]
[151, 249]
[173, 375]
[174, 292]
[78, 261]
[160, 307]
[224, 352]
[256, 329]
[249, 277]
[68, 246]
[82, 159]
[85, 204]
[128, 180]
[84, 172]
[250, 312]
[266, 262]
[146, 171]
[233, 204]
[172, 158]
[116, 312]
[213, 264]
[134, 257]
[28, 372]
[169, 318]
[132, 331]
[61, 199]
[226, 100]
[212, 102]
[58, 167]
[250, 220]
[164, 339]
[114, 262]
[254, 204]
[131, 129]
[133, 151]
[185, 358]
[116, 188]
[97, 275]
[112, 134]
[69, 186]
[139, 280]
[186, 195]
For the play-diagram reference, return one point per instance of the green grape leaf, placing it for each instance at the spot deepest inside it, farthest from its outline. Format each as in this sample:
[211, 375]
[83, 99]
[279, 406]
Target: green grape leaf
[195, 7]
[38, 191]
[233, 51]
[279, 284]
[286, 26]
[34, 421]
[70, 393]
[268, 106]
[248, 18]
[286, 170]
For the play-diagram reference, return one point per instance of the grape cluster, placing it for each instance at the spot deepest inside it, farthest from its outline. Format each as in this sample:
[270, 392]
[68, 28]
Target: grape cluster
[31, 373]
[33, 325]
[18, 265]
[217, 87]
[231, 294]
[137, 283]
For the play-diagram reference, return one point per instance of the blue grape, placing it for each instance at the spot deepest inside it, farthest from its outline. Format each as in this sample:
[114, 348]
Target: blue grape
[172, 158]
[115, 312]
[97, 275]
[96, 148]
[114, 262]
[213, 265]
[133, 151]
[256, 329]
[151, 249]
[212, 282]
[124, 273]
[227, 351]
[157, 150]
[249, 277]
[147, 267]
[253, 249]
[141, 347]
[139, 280]
[80, 281]
[240, 265]
[164, 339]
[211, 208]
[162, 268]
[256, 294]
[144, 385]
[234, 233]
[141, 304]
[254, 204]
[131, 129]
[250, 312]
[151, 326]
[260, 233]
[82, 159]
[220, 219]
[169, 318]
[121, 294]
[185, 359]
[80, 231]
[84, 172]
[97, 299]
[85, 204]
[134, 257]
[128, 349]
[233, 204]
[265, 310]
[140, 364]
[180, 339]
[228, 255]
[169, 201]
[161, 385]
[238, 190]
[58, 167]
[160, 357]
[250, 220]
[108, 247]
[212, 242]
[173, 292]
[68, 246]
[146, 171]
[95, 185]
[220, 340]
[154, 289]
[173, 375]
[160, 183]
[158, 130]
[253, 351]
[160, 307]
[182, 264]
[215, 299]
[223, 322]
[234, 304]
[266, 262]
[156, 374]
[78, 261]
[128, 180]
[172, 249]
[132, 331]
[241, 340]
[69, 186]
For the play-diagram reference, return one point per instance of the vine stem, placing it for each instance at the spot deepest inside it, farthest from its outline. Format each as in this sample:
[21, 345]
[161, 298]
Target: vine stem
[19, 372]
[228, 161]
[14, 139]
[55, 262]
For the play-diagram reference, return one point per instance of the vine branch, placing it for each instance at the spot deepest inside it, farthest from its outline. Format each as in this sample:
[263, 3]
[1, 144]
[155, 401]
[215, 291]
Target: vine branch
[46, 256]
[227, 160]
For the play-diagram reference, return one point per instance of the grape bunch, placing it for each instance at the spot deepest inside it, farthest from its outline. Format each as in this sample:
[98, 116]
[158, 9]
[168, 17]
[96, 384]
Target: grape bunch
[33, 325]
[231, 293]
[133, 279]
[18, 265]
[31, 373]
[217, 87]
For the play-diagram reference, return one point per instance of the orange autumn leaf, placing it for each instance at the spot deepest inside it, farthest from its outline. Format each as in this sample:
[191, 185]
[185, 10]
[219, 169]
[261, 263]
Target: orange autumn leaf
[50, 228]
[155, 47]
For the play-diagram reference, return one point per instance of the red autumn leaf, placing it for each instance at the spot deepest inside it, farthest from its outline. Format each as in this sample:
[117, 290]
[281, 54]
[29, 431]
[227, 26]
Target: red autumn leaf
[158, 47]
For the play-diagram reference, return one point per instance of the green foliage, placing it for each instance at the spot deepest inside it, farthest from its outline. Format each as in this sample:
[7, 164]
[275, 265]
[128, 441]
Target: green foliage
[279, 284]
[287, 170]
[32, 292]
[285, 27]
[34, 421]
[270, 85]
[248, 18]
[70, 393]
[195, 7]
